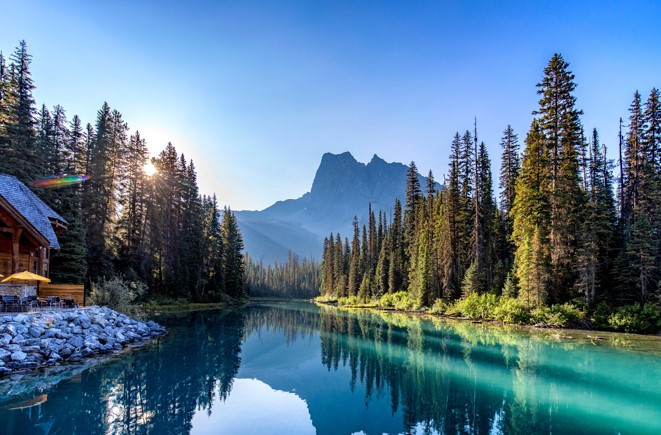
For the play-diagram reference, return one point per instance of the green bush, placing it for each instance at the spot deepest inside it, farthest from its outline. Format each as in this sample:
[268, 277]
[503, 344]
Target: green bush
[117, 293]
[398, 301]
[476, 306]
[600, 315]
[439, 307]
[348, 300]
[509, 310]
[636, 318]
[557, 316]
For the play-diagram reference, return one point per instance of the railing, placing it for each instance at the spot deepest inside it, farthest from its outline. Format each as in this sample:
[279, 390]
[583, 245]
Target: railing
[73, 291]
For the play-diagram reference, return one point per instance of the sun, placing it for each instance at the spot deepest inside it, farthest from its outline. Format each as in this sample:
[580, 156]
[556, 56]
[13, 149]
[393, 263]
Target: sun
[150, 169]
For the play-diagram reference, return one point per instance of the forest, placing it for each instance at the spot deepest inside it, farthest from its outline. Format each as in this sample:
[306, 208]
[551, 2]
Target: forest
[573, 235]
[153, 230]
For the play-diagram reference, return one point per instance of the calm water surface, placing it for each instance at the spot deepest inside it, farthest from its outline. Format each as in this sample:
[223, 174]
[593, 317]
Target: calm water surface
[295, 368]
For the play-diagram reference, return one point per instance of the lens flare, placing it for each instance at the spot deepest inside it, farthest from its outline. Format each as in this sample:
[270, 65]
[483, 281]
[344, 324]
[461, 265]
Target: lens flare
[58, 181]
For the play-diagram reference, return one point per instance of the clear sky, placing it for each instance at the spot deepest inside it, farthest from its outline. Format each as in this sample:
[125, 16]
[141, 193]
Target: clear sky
[256, 91]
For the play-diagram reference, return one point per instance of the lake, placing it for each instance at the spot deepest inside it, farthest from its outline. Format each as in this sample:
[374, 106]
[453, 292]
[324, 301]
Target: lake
[296, 368]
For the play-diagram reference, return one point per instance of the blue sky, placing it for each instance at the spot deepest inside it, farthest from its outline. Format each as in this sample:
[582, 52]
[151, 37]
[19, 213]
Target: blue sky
[256, 92]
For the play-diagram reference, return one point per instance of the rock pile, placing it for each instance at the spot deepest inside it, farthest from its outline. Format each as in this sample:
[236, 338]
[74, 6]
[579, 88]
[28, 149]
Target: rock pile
[35, 340]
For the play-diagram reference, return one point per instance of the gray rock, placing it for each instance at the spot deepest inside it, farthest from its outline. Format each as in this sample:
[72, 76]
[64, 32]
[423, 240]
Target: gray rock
[76, 356]
[76, 341]
[18, 356]
[36, 331]
[4, 355]
[18, 339]
[92, 344]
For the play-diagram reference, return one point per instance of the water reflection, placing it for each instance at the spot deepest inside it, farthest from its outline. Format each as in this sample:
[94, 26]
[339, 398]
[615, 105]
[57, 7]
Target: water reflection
[297, 368]
[154, 390]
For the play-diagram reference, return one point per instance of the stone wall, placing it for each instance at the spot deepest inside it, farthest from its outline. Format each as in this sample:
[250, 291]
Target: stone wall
[17, 290]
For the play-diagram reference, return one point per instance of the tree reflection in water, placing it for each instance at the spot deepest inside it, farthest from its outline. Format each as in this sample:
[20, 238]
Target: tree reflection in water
[156, 389]
[440, 377]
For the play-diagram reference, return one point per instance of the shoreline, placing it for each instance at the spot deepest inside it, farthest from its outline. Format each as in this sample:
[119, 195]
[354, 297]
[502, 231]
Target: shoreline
[493, 322]
[31, 342]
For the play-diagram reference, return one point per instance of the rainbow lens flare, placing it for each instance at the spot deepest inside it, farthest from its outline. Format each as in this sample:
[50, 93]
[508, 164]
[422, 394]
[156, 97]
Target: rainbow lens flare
[58, 181]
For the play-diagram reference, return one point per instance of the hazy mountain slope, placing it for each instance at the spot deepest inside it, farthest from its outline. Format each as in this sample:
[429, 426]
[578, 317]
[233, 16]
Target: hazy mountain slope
[342, 188]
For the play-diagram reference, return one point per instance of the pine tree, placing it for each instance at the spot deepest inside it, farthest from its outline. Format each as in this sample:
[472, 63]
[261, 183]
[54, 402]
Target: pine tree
[21, 155]
[192, 232]
[596, 236]
[531, 220]
[510, 165]
[354, 261]
[232, 255]
[99, 196]
[413, 198]
[396, 267]
[132, 201]
[559, 122]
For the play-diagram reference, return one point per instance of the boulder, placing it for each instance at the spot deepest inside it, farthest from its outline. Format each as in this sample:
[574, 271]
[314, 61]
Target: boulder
[18, 356]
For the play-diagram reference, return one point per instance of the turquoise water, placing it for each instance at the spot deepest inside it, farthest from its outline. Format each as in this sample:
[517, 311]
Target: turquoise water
[296, 368]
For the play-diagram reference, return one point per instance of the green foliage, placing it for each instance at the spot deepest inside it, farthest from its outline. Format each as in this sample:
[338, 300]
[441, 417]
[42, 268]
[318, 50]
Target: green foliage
[294, 278]
[510, 310]
[440, 307]
[636, 318]
[117, 293]
[398, 301]
[476, 306]
[558, 316]
[350, 301]
[509, 288]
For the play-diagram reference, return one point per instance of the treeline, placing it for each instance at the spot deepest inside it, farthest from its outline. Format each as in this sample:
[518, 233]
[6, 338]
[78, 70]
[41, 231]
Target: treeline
[559, 233]
[294, 279]
[154, 228]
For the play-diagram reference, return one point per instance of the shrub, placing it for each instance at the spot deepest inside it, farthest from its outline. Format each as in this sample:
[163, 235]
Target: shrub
[399, 301]
[509, 310]
[600, 315]
[636, 318]
[439, 307]
[557, 316]
[117, 293]
[348, 300]
[476, 306]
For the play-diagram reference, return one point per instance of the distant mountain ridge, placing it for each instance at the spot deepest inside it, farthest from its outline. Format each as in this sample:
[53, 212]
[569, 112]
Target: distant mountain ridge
[342, 188]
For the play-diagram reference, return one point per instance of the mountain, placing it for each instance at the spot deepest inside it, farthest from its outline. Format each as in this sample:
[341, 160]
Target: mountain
[342, 188]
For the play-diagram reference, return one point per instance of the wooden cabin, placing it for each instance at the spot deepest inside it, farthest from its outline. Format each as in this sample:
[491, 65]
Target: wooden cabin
[28, 229]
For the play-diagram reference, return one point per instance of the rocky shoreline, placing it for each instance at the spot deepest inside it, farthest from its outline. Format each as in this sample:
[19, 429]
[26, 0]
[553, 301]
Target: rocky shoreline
[30, 341]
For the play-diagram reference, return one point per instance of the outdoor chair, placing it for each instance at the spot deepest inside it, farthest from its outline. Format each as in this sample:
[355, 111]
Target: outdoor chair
[10, 303]
[53, 301]
[28, 303]
[69, 303]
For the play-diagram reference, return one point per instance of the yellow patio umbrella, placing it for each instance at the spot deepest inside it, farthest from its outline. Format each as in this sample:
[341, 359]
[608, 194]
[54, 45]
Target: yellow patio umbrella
[25, 276]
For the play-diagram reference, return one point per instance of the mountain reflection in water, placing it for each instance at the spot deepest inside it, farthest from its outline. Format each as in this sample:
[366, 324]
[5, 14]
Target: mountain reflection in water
[297, 368]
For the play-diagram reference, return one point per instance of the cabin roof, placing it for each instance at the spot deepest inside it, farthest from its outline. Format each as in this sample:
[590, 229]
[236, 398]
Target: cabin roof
[33, 209]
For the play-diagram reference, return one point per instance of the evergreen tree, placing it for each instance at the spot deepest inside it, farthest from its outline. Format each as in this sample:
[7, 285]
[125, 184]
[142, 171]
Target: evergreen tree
[531, 220]
[232, 255]
[559, 122]
[21, 156]
[354, 261]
